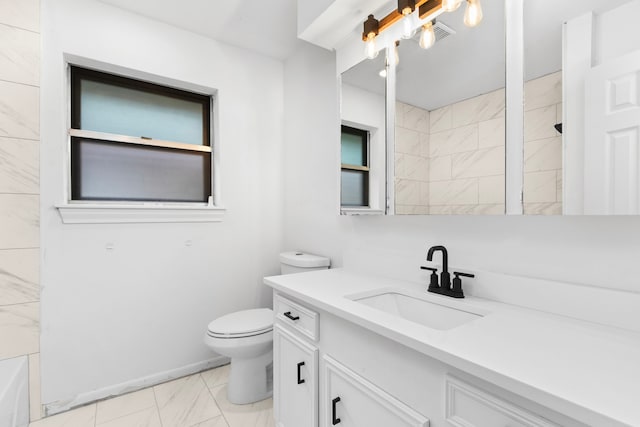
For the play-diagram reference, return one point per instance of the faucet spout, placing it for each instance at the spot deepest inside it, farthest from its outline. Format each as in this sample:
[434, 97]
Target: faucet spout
[445, 277]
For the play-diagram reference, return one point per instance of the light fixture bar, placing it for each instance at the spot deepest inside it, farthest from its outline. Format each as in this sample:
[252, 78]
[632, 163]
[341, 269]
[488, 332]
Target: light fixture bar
[395, 16]
[428, 8]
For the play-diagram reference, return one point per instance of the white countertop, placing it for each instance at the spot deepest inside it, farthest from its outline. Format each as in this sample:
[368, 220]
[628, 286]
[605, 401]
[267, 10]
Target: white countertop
[586, 371]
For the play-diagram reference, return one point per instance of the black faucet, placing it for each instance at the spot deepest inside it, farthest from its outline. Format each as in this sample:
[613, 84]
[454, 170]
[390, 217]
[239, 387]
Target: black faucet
[443, 286]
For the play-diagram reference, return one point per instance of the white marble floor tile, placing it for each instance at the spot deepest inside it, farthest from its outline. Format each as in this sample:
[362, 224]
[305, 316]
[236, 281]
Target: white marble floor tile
[81, 417]
[185, 402]
[259, 414]
[146, 418]
[217, 376]
[127, 404]
[215, 422]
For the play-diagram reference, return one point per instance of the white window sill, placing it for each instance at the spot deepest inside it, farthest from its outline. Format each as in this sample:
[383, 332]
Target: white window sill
[361, 211]
[93, 213]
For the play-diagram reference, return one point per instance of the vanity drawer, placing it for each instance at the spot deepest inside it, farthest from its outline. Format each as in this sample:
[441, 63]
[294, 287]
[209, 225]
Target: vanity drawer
[469, 406]
[297, 317]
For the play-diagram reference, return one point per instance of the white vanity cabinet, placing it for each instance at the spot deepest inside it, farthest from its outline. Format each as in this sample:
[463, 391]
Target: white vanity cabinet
[295, 380]
[352, 401]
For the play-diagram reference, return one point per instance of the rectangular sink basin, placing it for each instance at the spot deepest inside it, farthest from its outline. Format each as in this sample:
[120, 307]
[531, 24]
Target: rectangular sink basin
[418, 310]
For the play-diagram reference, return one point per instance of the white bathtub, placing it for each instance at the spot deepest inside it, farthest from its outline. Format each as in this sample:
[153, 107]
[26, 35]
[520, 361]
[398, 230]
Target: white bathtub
[14, 392]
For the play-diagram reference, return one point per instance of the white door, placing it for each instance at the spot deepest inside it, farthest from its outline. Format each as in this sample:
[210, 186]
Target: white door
[612, 137]
[352, 401]
[295, 381]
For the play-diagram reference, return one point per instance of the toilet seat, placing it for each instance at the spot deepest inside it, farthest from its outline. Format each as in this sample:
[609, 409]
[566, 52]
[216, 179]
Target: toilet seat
[242, 324]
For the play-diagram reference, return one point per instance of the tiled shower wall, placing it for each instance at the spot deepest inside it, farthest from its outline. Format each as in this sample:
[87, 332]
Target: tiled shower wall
[451, 160]
[19, 186]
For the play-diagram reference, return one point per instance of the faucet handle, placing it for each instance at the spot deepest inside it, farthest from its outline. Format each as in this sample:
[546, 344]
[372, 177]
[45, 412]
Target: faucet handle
[433, 279]
[456, 290]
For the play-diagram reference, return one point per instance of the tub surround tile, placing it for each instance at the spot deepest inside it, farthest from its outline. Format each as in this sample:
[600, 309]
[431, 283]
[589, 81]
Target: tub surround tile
[19, 166]
[80, 417]
[19, 56]
[35, 401]
[145, 418]
[543, 91]
[440, 168]
[543, 208]
[21, 13]
[453, 141]
[540, 187]
[19, 221]
[124, 405]
[399, 165]
[416, 168]
[416, 118]
[491, 133]
[19, 110]
[539, 123]
[424, 194]
[441, 119]
[217, 376]
[485, 162]
[454, 192]
[19, 276]
[185, 402]
[259, 414]
[19, 330]
[491, 190]
[480, 108]
[407, 141]
[407, 192]
[477, 209]
[559, 113]
[543, 154]
[400, 106]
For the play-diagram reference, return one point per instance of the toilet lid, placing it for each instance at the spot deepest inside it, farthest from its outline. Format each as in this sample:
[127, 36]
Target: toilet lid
[242, 323]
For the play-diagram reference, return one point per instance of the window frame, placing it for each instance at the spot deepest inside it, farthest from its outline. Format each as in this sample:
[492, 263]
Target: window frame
[365, 135]
[111, 212]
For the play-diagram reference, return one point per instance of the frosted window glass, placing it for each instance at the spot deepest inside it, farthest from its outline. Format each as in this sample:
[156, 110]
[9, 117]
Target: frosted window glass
[354, 188]
[353, 149]
[116, 171]
[124, 111]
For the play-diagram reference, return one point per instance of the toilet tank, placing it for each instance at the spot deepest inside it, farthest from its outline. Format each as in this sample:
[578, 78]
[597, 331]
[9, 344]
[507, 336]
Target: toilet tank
[298, 262]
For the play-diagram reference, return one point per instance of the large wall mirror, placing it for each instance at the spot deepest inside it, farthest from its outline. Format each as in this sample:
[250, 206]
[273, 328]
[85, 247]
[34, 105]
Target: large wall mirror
[450, 118]
[582, 107]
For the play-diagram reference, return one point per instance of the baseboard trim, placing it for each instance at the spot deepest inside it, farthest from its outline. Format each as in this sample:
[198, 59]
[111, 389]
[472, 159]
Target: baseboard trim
[133, 385]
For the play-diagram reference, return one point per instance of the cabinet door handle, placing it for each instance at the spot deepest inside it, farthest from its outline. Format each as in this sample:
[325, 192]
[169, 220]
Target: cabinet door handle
[289, 316]
[334, 420]
[300, 381]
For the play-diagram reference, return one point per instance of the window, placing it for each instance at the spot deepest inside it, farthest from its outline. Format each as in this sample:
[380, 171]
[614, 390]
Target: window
[355, 167]
[137, 141]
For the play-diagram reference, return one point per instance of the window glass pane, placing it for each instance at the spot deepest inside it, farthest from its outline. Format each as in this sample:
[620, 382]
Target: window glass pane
[354, 149]
[354, 188]
[115, 171]
[124, 111]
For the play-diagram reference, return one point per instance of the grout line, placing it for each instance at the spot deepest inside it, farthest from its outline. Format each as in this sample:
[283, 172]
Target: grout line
[21, 303]
[155, 399]
[20, 28]
[214, 399]
[20, 83]
[20, 138]
[95, 414]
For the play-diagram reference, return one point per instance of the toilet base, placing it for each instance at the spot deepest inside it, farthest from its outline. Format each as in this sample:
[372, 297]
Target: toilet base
[250, 380]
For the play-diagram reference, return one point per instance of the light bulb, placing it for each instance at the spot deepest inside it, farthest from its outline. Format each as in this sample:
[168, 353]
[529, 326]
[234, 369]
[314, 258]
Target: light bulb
[408, 25]
[370, 46]
[451, 5]
[428, 36]
[473, 14]
[383, 73]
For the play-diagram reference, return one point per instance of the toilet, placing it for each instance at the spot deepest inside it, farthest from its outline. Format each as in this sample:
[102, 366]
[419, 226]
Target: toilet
[246, 337]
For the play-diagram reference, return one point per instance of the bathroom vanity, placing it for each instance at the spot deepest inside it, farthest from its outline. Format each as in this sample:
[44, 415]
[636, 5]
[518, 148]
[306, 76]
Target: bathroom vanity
[358, 350]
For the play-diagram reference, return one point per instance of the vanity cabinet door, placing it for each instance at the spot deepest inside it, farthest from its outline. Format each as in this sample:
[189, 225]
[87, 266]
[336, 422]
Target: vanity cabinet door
[295, 376]
[352, 401]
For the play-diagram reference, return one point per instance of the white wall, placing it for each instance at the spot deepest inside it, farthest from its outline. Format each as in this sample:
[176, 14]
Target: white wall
[139, 311]
[594, 251]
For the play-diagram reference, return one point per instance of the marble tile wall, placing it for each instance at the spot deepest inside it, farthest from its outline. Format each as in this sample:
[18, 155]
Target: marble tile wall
[454, 163]
[19, 187]
[543, 146]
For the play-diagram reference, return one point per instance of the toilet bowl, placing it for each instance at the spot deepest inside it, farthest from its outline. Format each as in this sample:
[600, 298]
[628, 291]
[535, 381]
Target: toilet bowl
[246, 337]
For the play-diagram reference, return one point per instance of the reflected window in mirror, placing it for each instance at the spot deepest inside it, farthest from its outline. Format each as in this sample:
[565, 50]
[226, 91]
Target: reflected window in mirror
[450, 118]
[589, 164]
[354, 148]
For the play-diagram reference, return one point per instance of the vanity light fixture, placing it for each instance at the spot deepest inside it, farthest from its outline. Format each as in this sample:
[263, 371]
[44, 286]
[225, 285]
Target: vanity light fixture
[406, 12]
[428, 35]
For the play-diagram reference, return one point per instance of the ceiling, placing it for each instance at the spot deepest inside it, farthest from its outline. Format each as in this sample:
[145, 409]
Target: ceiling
[472, 61]
[265, 26]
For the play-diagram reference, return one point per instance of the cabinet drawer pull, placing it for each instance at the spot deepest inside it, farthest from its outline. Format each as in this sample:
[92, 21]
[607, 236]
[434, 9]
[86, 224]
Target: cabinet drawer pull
[300, 381]
[334, 420]
[289, 316]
